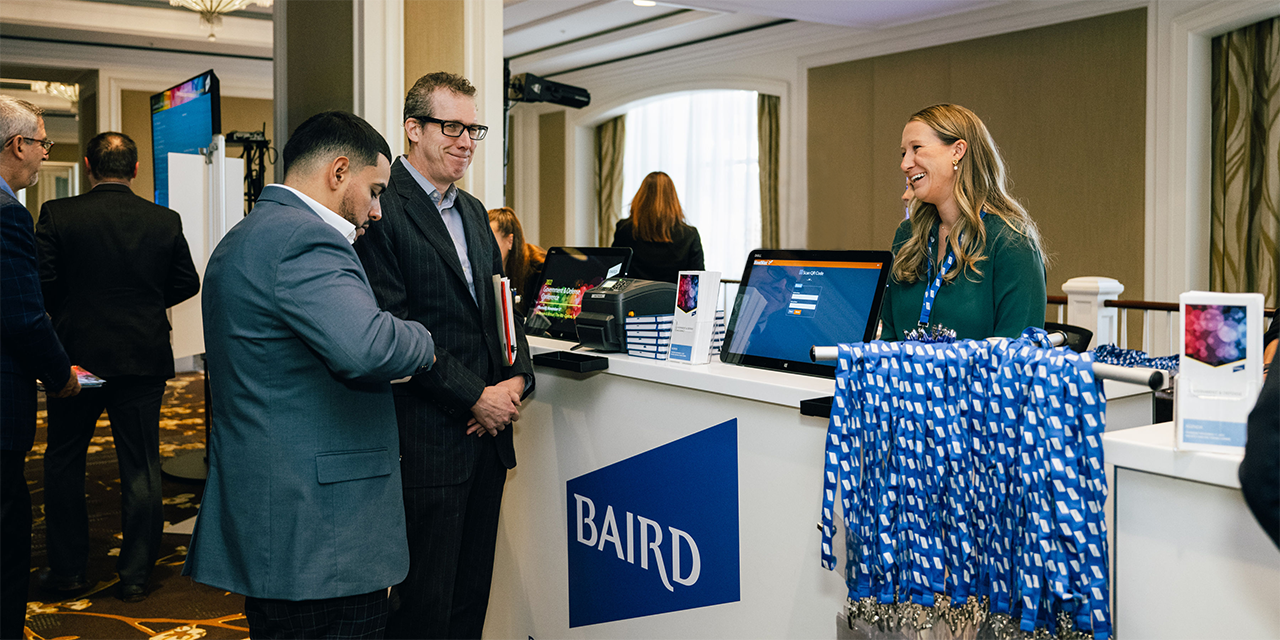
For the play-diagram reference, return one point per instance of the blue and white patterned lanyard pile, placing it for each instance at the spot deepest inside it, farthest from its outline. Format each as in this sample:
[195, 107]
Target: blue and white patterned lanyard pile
[1111, 354]
[971, 470]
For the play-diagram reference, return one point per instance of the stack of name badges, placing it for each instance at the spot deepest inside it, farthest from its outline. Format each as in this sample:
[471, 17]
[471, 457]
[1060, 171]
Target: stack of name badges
[650, 336]
[971, 481]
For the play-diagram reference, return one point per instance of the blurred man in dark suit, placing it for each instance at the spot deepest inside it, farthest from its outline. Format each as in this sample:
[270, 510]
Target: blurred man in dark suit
[431, 259]
[29, 349]
[1260, 470]
[111, 263]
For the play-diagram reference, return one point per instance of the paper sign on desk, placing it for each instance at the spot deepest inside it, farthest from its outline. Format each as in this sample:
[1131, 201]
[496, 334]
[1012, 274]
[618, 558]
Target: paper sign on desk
[505, 313]
[1220, 369]
[695, 316]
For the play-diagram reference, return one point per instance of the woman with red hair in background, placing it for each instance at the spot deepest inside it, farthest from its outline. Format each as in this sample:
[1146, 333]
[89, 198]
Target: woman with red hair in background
[662, 243]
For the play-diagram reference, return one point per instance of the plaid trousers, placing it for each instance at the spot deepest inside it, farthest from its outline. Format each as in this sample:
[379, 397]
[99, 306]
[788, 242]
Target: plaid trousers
[359, 616]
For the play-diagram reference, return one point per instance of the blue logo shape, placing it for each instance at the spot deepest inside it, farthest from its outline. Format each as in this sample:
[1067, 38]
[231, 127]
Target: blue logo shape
[656, 532]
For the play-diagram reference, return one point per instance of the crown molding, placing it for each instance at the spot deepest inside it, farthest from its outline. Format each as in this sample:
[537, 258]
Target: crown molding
[1006, 18]
[819, 45]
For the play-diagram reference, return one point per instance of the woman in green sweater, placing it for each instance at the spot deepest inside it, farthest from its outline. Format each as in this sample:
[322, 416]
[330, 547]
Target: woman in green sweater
[967, 238]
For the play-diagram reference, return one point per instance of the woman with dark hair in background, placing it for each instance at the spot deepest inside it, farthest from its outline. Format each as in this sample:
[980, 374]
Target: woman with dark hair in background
[662, 243]
[967, 240]
[520, 261]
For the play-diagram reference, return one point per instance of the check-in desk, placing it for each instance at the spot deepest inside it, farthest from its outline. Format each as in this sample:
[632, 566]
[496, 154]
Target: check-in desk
[616, 422]
[1190, 561]
[575, 424]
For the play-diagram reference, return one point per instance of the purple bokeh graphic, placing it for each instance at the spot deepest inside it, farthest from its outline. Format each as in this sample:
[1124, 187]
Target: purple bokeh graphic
[687, 292]
[1215, 334]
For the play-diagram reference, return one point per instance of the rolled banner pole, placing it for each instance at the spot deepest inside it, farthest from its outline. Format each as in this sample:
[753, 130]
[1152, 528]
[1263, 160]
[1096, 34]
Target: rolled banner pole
[828, 354]
[824, 354]
[1154, 379]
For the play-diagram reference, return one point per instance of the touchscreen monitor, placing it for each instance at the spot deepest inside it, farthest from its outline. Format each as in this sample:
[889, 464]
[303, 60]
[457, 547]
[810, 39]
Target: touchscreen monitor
[567, 274]
[792, 300]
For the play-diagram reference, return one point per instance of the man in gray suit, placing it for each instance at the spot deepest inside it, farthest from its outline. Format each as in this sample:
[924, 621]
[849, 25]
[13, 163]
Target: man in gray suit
[303, 511]
[431, 259]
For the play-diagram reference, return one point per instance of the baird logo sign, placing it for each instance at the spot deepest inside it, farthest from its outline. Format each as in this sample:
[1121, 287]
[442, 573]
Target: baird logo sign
[656, 532]
[586, 521]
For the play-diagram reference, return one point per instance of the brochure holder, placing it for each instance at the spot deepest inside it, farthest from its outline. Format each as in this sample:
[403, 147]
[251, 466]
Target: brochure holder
[1220, 369]
[695, 316]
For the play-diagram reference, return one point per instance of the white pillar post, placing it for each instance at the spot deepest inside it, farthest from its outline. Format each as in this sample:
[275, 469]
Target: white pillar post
[1085, 298]
[379, 68]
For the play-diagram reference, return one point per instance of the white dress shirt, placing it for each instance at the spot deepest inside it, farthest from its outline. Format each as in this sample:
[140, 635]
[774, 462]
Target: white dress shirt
[452, 219]
[334, 220]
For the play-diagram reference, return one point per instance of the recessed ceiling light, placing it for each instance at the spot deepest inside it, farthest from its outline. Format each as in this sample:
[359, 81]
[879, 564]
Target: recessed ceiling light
[644, 3]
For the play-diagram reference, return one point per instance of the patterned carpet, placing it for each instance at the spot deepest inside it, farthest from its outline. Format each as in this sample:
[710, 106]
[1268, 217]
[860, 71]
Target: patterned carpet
[176, 608]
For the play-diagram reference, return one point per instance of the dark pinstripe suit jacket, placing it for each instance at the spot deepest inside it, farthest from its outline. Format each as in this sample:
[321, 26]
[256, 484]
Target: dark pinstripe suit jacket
[29, 348]
[415, 273]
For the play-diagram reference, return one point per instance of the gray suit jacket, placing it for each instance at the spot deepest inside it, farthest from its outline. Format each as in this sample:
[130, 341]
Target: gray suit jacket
[304, 499]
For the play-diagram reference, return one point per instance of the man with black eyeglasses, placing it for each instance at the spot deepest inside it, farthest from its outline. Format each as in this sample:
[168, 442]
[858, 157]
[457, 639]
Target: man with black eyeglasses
[29, 350]
[431, 259]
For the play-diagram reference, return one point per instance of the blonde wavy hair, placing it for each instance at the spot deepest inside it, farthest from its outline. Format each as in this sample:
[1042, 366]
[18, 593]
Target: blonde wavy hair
[981, 184]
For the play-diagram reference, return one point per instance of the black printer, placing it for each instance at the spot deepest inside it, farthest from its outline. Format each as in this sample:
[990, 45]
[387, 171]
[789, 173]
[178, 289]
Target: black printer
[605, 308]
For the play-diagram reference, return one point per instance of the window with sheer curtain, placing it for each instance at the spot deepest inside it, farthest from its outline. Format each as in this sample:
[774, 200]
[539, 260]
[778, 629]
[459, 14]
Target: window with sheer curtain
[707, 142]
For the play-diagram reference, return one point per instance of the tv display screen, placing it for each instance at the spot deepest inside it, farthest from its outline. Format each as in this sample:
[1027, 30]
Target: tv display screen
[567, 274]
[790, 301]
[184, 119]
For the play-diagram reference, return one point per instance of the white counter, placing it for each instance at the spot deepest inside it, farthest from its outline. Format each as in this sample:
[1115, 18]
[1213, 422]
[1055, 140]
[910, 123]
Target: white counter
[773, 387]
[611, 428]
[1190, 561]
[1151, 449]
[578, 424]
[1128, 405]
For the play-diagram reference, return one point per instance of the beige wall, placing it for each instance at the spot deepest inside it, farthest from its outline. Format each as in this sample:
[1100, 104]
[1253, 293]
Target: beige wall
[65, 153]
[551, 179]
[238, 114]
[1066, 104]
[433, 37]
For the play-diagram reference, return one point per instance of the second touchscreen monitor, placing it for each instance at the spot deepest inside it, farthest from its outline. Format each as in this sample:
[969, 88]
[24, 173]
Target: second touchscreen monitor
[790, 301]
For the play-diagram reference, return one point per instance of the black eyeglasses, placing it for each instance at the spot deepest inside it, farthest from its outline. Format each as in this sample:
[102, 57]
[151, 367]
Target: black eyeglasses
[454, 129]
[44, 143]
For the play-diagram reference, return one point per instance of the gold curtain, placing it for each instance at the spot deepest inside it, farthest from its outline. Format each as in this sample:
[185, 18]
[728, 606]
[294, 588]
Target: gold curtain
[610, 142]
[1245, 223]
[767, 108]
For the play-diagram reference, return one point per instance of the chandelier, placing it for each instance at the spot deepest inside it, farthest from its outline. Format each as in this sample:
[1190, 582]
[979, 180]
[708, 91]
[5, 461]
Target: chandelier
[211, 10]
[68, 92]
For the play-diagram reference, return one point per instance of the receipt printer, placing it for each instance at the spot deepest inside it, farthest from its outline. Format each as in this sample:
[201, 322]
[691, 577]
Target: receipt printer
[601, 324]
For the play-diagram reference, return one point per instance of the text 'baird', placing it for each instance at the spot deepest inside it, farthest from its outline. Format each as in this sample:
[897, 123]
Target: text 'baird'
[651, 540]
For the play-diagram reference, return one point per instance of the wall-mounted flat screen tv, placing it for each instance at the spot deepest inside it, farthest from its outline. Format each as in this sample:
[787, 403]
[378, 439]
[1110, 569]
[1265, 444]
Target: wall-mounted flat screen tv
[184, 119]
